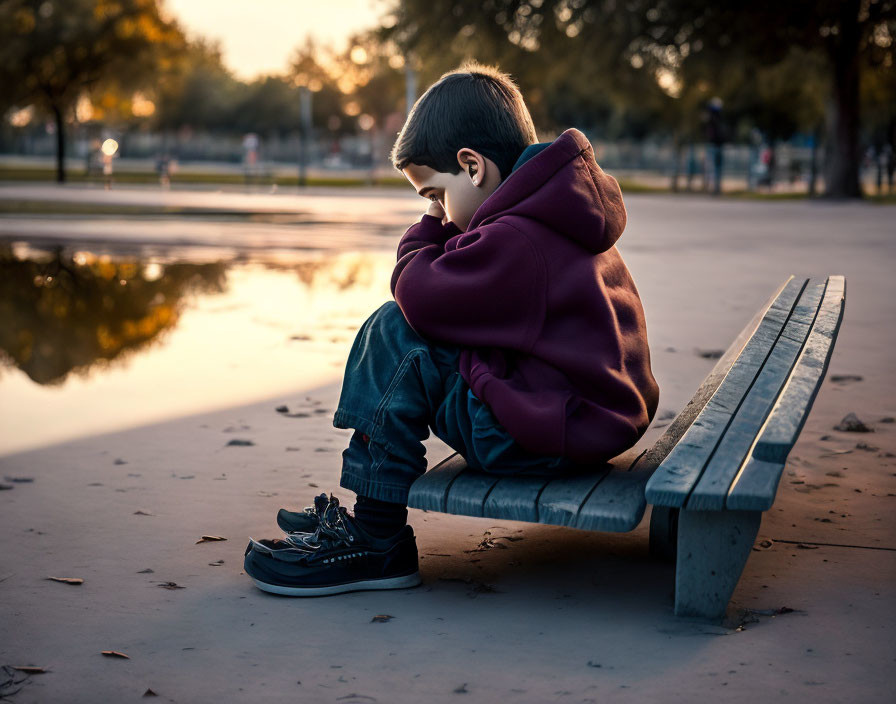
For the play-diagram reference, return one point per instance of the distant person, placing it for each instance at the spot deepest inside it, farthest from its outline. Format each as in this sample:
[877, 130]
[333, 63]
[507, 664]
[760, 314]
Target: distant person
[517, 335]
[692, 166]
[795, 170]
[885, 165]
[891, 165]
[163, 169]
[716, 136]
[767, 166]
[250, 155]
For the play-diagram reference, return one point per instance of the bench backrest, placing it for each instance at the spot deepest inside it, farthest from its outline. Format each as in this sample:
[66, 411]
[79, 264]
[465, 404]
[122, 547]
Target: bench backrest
[732, 451]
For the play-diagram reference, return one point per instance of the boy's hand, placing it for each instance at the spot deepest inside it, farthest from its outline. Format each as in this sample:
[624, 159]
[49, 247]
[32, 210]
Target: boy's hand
[435, 209]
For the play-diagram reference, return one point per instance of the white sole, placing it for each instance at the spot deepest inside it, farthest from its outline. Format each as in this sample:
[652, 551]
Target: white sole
[410, 580]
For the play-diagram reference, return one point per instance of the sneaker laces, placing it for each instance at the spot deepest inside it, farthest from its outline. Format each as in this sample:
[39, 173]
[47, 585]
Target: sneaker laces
[331, 528]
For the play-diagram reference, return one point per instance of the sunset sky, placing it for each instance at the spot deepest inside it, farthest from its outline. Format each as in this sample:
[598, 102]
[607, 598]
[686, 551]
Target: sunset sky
[258, 36]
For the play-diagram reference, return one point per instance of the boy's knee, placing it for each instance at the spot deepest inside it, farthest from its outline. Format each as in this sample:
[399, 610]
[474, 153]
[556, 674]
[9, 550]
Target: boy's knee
[389, 316]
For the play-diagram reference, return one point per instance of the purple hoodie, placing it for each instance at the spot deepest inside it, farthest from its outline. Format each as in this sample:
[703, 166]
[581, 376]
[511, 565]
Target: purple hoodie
[551, 328]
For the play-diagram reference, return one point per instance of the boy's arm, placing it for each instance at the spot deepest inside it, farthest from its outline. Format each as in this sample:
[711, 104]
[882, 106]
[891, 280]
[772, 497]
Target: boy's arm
[428, 231]
[484, 287]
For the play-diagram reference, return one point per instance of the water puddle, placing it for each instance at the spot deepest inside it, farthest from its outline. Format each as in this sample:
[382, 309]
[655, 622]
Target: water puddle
[93, 342]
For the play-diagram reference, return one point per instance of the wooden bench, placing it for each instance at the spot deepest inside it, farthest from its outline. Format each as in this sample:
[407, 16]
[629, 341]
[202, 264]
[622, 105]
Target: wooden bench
[709, 476]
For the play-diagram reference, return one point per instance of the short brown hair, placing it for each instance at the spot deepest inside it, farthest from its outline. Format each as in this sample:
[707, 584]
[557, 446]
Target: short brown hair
[475, 106]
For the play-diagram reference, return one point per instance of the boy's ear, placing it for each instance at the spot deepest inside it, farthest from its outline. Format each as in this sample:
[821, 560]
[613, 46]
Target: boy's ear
[473, 163]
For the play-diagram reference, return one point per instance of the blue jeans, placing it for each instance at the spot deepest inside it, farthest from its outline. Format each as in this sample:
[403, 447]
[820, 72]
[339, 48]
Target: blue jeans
[397, 386]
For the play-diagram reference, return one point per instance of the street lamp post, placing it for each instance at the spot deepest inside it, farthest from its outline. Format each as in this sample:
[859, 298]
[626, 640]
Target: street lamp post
[410, 83]
[305, 128]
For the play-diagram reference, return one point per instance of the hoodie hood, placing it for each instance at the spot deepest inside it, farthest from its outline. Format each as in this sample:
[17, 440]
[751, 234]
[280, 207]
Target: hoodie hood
[562, 187]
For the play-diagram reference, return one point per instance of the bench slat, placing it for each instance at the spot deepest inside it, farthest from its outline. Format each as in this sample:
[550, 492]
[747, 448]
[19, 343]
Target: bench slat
[467, 493]
[515, 498]
[711, 489]
[429, 491]
[561, 499]
[754, 488]
[617, 504]
[680, 470]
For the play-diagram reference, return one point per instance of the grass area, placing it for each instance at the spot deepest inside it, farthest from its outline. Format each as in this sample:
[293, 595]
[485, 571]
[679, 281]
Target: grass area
[47, 207]
[235, 179]
[212, 178]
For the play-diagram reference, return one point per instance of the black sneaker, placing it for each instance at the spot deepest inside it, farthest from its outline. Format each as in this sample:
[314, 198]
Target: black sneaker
[304, 521]
[339, 556]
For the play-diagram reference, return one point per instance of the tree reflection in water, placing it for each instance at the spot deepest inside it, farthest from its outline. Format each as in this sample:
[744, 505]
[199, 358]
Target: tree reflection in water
[65, 313]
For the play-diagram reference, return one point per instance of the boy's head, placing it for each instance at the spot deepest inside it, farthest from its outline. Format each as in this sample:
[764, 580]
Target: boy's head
[462, 138]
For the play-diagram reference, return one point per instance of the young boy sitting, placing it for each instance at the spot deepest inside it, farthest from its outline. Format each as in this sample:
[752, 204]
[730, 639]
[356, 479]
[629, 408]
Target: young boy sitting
[516, 335]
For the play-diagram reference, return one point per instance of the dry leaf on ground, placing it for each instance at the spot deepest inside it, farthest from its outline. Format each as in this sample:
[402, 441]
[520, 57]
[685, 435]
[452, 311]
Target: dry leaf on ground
[67, 580]
[115, 654]
[209, 538]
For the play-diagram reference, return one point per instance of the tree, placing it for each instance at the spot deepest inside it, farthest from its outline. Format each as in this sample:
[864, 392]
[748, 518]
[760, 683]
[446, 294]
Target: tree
[52, 51]
[746, 36]
[691, 48]
[196, 90]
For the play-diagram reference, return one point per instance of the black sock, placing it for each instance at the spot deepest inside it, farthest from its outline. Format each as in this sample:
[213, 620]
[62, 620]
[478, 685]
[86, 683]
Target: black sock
[381, 519]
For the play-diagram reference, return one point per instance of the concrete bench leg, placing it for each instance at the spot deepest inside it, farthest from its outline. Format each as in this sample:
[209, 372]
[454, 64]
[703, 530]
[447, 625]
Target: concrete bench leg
[663, 532]
[713, 547]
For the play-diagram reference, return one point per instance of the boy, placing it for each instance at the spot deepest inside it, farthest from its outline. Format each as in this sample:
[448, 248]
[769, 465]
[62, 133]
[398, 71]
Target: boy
[516, 334]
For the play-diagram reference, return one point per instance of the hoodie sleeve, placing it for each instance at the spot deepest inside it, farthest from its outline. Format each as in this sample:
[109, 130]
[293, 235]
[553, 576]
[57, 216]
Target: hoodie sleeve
[484, 287]
[429, 230]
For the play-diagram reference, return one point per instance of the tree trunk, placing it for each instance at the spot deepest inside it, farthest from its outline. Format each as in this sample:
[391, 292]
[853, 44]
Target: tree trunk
[842, 158]
[813, 164]
[677, 150]
[60, 143]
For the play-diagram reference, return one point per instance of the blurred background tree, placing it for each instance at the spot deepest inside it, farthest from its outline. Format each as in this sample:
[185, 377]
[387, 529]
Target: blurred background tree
[794, 61]
[51, 52]
[817, 73]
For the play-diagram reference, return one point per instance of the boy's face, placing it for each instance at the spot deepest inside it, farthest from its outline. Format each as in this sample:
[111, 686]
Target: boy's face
[461, 194]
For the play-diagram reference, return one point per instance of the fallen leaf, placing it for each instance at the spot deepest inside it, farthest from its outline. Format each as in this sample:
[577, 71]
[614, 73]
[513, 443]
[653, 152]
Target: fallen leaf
[146, 571]
[67, 580]
[834, 453]
[170, 585]
[115, 654]
[209, 539]
[381, 618]
[216, 563]
[143, 513]
[30, 669]
[851, 424]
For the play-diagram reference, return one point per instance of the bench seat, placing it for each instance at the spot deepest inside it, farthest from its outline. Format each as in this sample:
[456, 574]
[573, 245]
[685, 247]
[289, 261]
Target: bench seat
[606, 498]
[711, 473]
